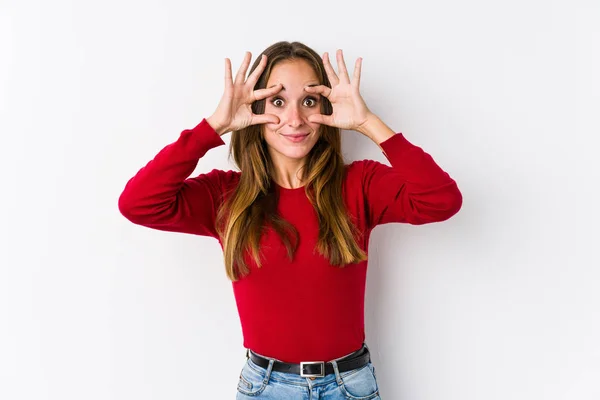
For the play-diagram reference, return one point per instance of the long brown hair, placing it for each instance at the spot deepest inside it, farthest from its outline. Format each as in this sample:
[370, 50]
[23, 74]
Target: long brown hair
[252, 205]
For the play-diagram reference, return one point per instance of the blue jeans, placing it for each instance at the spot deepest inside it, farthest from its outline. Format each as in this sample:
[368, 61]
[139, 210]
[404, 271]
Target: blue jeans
[265, 384]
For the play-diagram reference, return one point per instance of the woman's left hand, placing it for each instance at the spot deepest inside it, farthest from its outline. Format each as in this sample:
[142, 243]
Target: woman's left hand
[349, 108]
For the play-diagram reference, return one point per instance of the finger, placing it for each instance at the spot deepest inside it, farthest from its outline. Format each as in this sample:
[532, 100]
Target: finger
[321, 119]
[253, 78]
[342, 71]
[321, 89]
[264, 119]
[228, 79]
[241, 74]
[356, 77]
[264, 93]
[333, 79]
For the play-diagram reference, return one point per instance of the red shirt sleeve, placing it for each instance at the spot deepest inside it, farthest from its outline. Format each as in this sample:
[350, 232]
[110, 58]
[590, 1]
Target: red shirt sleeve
[162, 196]
[414, 189]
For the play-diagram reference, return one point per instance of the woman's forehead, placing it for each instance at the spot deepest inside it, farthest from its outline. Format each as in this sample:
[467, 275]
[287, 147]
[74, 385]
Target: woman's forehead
[293, 74]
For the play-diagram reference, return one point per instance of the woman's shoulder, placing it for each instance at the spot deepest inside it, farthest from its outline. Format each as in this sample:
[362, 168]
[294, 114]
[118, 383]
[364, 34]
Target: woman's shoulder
[357, 168]
[359, 173]
[218, 179]
[354, 172]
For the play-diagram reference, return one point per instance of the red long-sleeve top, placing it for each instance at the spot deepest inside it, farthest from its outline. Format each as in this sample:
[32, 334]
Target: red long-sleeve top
[306, 309]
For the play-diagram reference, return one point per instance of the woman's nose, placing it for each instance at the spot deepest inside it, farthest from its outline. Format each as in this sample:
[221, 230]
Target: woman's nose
[294, 116]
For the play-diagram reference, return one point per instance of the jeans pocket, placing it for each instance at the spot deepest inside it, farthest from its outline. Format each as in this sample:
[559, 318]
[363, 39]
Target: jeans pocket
[360, 384]
[252, 380]
[373, 370]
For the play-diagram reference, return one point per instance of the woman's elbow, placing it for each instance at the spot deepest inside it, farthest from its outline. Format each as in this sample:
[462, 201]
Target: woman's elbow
[451, 204]
[127, 206]
[441, 209]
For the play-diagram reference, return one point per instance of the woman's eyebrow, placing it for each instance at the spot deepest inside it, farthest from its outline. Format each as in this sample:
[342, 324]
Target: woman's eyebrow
[283, 87]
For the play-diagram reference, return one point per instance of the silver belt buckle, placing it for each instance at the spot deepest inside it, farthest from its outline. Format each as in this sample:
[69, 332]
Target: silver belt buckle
[303, 363]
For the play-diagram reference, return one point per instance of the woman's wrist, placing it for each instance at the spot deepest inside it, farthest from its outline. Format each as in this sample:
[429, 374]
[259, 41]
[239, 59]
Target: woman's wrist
[375, 129]
[216, 126]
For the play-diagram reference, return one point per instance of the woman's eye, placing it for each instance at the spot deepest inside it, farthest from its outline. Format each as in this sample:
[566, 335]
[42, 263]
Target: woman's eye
[312, 101]
[308, 102]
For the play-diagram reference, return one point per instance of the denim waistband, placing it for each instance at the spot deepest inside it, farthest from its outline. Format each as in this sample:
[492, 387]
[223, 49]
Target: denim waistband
[298, 380]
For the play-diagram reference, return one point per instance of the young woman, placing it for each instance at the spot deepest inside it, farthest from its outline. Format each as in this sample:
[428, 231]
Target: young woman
[294, 223]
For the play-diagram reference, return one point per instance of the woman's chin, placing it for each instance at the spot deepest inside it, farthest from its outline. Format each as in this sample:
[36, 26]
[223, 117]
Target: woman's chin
[291, 152]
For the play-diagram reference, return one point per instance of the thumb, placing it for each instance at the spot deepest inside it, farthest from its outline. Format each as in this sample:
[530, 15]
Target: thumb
[264, 119]
[321, 119]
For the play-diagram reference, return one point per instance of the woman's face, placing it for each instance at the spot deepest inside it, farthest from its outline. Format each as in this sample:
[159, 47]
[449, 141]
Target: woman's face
[294, 136]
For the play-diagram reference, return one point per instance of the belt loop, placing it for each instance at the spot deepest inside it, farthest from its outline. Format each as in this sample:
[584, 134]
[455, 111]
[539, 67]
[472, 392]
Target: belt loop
[338, 378]
[269, 370]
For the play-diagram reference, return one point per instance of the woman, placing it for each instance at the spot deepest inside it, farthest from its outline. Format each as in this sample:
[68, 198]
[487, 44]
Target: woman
[294, 224]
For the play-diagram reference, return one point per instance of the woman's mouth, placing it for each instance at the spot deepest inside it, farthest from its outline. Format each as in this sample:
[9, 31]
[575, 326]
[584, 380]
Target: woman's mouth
[296, 138]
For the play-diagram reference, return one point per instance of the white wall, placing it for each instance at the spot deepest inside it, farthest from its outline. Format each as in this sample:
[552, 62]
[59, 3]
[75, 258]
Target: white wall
[500, 302]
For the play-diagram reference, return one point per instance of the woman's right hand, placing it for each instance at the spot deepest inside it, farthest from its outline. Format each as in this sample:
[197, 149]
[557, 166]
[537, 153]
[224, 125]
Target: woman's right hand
[234, 111]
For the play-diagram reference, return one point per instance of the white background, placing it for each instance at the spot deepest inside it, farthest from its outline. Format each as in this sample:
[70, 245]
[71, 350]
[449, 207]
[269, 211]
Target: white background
[500, 302]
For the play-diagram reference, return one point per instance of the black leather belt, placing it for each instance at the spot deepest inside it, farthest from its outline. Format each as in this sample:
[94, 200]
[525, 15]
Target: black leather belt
[313, 369]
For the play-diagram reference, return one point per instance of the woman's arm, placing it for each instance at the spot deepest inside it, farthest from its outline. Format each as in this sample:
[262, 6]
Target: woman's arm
[161, 196]
[413, 190]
